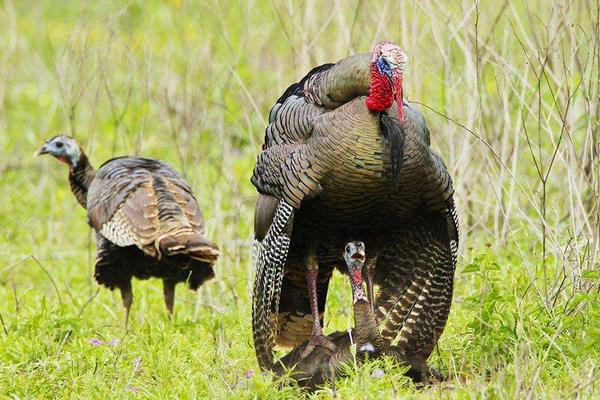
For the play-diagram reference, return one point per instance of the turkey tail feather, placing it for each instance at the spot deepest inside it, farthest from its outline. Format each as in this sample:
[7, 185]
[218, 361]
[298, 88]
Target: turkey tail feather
[189, 243]
[394, 133]
[270, 256]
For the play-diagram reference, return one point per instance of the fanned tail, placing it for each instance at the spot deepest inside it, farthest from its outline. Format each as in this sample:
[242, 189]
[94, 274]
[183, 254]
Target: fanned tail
[394, 133]
[270, 256]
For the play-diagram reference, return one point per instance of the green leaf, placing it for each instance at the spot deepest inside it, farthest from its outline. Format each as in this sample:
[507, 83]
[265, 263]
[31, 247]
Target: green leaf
[493, 266]
[591, 275]
[471, 268]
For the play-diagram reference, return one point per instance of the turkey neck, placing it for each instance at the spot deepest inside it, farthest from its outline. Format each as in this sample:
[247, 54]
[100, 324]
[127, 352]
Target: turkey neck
[80, 177]
[365, 327]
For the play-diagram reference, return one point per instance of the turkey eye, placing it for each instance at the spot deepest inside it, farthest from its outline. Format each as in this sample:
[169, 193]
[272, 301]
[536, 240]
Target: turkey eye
[347, 249]
[59, 145]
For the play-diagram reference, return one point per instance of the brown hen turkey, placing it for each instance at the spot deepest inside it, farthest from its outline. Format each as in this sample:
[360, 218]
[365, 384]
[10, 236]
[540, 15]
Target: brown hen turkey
[146, 219]
[345, 158]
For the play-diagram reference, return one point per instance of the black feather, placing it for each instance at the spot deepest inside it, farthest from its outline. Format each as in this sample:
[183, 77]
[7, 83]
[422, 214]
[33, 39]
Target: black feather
[394, 134]
[296, 89]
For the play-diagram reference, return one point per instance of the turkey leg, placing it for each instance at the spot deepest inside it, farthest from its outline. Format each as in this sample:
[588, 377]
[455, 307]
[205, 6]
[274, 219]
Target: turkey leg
[169, 293]
[317, 337]
[127, 296]
[370, 264]
[370, 272]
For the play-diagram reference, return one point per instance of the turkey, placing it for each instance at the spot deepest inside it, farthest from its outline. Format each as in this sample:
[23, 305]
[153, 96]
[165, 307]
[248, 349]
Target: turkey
[344, 158]
[146, 219]
[322, 365]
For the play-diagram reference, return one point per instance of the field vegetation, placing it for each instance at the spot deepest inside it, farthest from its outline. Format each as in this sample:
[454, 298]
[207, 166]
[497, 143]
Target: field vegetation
[510, 90]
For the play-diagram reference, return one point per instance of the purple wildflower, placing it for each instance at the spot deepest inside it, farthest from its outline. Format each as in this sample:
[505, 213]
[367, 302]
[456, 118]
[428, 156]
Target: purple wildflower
[378, 373]
[115, 342]
[95, 342]
[368, 347]
[137, 361]
[249, 374]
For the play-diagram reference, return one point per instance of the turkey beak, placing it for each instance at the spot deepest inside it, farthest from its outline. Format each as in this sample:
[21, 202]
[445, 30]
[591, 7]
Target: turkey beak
[359, 255]
[42, 150]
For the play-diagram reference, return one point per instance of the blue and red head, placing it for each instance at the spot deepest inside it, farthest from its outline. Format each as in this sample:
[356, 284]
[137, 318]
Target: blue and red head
[354, 255]
[63, 148]
[387, 69]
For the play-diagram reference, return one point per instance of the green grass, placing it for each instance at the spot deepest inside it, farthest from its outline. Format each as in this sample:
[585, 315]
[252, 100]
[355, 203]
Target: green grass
[510, 92]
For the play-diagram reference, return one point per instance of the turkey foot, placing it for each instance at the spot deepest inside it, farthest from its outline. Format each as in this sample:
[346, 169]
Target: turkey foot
[316, 341]
[423, 375]
[436, 376]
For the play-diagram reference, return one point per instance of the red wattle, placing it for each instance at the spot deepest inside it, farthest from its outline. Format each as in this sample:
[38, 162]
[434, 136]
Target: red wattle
[357, 277]
[397, 82]
[380, 96]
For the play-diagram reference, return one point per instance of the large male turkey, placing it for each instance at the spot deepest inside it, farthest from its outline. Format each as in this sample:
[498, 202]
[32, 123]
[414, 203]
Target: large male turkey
[146, 219]
[341, 162]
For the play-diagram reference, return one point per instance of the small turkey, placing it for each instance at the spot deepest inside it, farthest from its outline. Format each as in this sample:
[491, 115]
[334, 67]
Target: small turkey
[146, 219]
[345, 158]
[323, 364]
